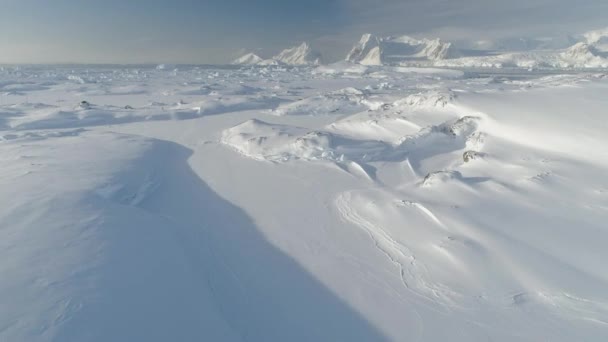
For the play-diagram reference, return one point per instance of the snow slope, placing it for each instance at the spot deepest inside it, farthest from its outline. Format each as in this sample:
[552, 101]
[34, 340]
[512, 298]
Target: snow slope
[338, 203]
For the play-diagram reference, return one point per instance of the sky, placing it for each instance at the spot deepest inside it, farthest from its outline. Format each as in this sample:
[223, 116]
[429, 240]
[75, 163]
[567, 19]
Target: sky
[216, 31]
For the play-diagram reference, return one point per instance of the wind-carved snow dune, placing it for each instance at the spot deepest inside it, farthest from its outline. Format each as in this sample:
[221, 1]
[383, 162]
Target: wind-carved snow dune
[452, 254]
[129, 244]
[53, 117]
[457, 238]
[93, 254]
[356, 143]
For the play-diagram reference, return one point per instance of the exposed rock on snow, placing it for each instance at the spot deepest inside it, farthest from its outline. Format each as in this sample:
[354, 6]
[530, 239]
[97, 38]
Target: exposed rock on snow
[464, 126]
[84, 105]
[471, 155]
[440, 177]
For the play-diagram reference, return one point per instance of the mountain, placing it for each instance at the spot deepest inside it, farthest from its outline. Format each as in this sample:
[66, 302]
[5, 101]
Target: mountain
[299, 55]
[584, 55]
[366, 52]
[248, 59]
[371, 50]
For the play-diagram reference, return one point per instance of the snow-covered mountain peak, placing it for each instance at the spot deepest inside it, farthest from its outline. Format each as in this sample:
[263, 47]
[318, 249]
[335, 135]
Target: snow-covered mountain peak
[585, 55]
[371, 50]
[299, 55]
[361, 51]
[248, 59]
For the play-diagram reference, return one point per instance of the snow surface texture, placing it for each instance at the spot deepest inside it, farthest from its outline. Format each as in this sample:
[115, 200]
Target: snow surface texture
[333, 203]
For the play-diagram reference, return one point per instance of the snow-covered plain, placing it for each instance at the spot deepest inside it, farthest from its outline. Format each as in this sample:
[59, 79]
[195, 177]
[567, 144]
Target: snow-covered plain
[332, 203]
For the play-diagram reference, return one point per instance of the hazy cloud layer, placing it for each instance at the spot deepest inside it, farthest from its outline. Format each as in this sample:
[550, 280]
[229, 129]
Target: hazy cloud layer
[213, 31]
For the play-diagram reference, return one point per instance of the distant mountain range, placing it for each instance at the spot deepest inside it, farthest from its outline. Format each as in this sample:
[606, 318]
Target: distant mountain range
[299, 55]
[590, 50]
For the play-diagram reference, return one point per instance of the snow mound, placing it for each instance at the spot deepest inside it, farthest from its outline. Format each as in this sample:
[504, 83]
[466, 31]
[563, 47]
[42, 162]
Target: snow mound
[248, 59]
[299, 55]
[344, 101]
[260, 140]
[264, 141]
[430, 99]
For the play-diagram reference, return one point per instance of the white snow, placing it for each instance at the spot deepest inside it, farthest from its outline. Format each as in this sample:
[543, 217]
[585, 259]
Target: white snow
[340, 202]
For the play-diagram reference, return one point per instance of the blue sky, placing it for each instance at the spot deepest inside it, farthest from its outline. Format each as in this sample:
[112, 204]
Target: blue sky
[212, 31]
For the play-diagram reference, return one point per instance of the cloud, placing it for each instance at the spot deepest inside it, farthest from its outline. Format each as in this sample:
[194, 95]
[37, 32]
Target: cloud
[212, 31]
[481, 18]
